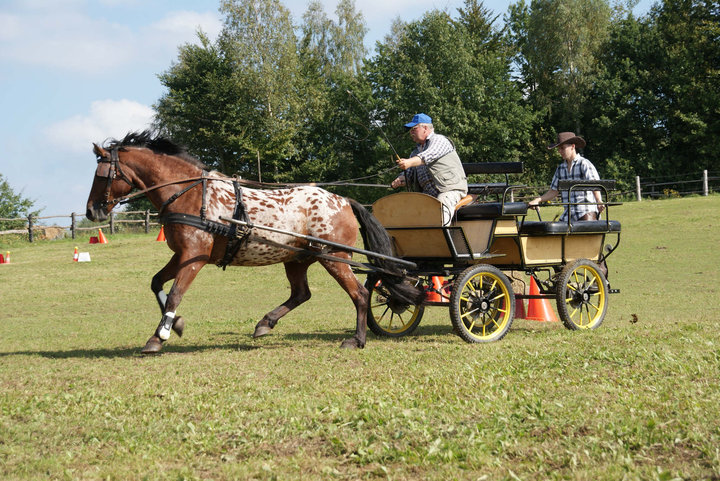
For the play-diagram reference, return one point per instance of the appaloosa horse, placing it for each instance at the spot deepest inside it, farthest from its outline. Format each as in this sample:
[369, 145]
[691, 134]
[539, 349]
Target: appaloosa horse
[191, 200]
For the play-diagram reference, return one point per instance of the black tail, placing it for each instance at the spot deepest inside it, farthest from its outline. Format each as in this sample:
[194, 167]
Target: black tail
[376, 239]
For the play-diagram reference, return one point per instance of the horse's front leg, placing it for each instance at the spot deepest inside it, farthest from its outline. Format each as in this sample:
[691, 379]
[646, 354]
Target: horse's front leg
[187, 269]
[159, 280]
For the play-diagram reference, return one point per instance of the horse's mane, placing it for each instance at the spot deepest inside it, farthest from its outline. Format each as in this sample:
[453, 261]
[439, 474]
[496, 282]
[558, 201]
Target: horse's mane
[157, 143]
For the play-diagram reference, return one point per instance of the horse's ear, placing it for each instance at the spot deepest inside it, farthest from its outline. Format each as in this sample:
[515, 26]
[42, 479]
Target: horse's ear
[99, 151]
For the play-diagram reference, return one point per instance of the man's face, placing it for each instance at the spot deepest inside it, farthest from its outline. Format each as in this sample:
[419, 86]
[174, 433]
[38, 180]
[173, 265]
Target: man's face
[567, 151]
[419, 133]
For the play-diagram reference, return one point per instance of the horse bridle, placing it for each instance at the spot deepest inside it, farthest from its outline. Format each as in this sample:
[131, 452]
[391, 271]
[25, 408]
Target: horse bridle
[109, 168]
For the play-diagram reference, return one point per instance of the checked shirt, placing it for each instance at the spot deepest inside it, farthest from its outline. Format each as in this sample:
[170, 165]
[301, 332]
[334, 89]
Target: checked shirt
[580, 169]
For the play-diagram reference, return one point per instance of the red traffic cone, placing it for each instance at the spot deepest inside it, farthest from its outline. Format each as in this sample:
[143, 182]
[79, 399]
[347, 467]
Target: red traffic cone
[76, 255]
[539, 309]
[2, 259]
[101, 237]
[161, 235]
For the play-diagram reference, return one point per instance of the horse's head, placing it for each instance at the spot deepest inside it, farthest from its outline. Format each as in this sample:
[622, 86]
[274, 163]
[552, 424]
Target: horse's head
[109, 185]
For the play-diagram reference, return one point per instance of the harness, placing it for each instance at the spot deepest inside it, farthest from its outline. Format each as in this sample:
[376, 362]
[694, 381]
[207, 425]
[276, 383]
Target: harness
[237, 234]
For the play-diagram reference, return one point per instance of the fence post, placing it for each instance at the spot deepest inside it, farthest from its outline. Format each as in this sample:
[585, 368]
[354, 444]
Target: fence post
[638, 192]
[30, 227]
[73, 224]
[705, 183]
[147, 221]
[112, 222]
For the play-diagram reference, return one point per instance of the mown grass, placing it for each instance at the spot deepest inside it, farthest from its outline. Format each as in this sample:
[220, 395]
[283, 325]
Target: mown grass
[635, 399]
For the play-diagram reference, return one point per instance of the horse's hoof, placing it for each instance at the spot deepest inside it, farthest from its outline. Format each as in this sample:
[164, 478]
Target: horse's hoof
[261, 331]
[351, 343]
[153, 346]
[179, 326]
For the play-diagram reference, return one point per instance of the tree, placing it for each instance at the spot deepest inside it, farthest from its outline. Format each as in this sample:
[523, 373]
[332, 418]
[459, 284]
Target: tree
[203, 108]
[558, 42]
[656, 107]
[13, 205]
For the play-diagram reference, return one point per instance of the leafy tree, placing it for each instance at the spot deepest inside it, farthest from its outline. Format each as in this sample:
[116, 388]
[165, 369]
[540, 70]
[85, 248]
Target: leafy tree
[203, 110]
[13, 205]
[657, 105]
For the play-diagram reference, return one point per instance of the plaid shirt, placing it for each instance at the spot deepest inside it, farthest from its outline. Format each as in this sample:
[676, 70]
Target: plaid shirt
[580, 169]
[435, 146]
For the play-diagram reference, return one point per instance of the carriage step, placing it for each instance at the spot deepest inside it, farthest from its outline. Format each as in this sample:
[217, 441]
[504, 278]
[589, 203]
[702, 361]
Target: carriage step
[613, 291]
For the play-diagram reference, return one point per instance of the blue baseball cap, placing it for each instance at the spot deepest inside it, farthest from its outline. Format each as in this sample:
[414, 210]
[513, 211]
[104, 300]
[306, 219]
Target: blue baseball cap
[418, 119]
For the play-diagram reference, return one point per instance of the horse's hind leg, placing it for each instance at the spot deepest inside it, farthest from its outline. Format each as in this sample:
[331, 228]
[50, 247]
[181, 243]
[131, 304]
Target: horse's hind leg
[343, 274]
[296, 273]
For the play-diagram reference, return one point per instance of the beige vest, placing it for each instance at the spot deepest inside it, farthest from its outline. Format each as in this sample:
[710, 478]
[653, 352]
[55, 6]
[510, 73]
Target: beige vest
[448, 173]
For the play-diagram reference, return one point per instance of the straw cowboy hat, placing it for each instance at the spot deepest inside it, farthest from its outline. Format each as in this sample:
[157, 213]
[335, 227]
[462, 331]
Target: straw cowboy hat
[568, 138]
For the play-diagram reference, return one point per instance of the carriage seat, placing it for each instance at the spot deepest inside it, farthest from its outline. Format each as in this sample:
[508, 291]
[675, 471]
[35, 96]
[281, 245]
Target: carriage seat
[490, 210]
[591, 226]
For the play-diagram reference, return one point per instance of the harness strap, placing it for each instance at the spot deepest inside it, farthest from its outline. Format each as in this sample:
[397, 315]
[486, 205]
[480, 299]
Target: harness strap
[239, 234]
[215, 228]
[175, 196]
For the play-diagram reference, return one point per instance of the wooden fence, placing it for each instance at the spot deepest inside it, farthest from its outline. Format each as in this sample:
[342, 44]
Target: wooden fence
[114, 220]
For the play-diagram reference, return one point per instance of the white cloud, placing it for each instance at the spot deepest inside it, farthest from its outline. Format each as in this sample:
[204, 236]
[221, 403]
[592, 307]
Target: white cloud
[106, 119]
[63, 38]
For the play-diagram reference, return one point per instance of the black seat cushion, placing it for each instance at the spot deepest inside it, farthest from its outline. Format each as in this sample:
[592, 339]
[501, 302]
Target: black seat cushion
[485, 210]
[537, 227]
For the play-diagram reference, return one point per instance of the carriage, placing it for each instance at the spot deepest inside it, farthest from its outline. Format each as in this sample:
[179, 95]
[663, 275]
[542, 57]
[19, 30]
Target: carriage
[477, 266]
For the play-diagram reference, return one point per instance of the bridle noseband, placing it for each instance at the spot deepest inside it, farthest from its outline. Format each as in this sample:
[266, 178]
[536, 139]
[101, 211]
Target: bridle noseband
[109, 168]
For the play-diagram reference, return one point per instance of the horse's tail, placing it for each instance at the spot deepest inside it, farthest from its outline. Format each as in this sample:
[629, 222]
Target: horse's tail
[377, 239]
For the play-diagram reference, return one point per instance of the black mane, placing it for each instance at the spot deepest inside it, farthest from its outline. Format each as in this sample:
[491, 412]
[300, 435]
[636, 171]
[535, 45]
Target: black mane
[155, 142]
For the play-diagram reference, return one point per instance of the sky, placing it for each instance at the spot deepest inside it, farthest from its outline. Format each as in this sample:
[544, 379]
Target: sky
[74, 72]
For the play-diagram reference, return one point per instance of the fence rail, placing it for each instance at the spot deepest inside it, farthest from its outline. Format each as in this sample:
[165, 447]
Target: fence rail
[114, 220]
[650, 188]
[659, 187]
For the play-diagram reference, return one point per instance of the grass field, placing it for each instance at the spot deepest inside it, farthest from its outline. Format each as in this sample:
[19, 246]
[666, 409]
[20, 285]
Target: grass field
[636, 399]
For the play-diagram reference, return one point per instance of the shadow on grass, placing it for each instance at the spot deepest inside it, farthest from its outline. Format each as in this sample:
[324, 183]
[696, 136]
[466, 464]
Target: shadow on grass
[128, 352]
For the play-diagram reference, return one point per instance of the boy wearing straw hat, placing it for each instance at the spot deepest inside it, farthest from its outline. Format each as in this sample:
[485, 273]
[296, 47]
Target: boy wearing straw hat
[573, 167]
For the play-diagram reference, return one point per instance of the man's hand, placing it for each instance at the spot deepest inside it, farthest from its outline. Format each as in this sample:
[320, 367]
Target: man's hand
[398, 182]
[411, 162]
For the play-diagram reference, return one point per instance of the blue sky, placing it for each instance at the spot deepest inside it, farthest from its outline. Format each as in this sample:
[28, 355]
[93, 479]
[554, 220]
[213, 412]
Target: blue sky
[73, 72]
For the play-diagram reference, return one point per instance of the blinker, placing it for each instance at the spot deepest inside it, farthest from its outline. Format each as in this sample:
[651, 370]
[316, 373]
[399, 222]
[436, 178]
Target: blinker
[103, 169]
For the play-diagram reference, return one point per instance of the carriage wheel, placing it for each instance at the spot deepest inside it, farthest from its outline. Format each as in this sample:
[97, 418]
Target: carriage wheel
[582, 295]
[387, 317]
[482, 304]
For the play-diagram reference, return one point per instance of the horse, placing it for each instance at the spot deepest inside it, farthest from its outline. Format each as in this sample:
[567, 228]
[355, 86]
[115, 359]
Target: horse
[191, 200]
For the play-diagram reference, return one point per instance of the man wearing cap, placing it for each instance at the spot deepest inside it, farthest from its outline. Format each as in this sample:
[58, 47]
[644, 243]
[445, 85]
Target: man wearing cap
[574, 167]
[433, 166]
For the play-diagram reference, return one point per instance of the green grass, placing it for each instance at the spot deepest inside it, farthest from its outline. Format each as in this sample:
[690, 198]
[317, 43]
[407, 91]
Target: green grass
[636, 399]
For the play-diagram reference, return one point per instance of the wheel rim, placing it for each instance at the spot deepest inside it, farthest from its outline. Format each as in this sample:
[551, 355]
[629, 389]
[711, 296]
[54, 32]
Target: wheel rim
[390, 316]
[585, 297]
[484, 306]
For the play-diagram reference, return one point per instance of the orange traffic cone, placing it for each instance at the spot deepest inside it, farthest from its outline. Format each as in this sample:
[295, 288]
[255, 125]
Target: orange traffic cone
[431, 295]
[539, 309]
[101, 237]
[7, 257]
[76, 255]
[161, 235]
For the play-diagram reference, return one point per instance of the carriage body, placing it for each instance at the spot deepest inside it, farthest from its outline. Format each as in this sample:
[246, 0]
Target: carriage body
[492, 242]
